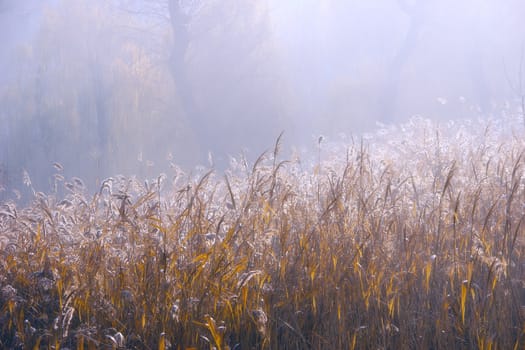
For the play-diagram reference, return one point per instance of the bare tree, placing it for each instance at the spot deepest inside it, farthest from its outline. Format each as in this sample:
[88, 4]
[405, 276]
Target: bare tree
[218, 37]
[416, 12]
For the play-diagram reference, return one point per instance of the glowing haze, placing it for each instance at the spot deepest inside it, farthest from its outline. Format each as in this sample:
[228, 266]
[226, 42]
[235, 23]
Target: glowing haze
[109, 87]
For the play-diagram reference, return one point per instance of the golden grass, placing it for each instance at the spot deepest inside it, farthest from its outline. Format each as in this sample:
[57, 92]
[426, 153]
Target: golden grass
[411, 240]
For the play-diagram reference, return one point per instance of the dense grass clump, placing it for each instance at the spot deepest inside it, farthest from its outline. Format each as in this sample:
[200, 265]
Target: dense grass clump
[412, 238]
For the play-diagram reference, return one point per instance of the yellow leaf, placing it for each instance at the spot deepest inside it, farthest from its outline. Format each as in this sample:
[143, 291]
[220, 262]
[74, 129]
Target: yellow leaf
[464, 287]
[162, 342]
[428, 271]
[354, 339]
[391, 304]
[201, 258]
[312, 274]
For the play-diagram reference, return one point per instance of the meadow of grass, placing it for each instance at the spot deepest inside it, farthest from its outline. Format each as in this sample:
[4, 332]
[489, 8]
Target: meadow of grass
[411, 238]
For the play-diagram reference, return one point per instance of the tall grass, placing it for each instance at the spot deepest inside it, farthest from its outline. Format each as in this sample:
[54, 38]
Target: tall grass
[410, 239]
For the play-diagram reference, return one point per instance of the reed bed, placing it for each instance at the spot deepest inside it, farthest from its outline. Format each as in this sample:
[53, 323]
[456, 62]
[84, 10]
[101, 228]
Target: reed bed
[410, 238]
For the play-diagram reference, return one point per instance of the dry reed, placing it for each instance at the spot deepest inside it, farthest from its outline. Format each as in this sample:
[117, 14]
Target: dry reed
[410, 239]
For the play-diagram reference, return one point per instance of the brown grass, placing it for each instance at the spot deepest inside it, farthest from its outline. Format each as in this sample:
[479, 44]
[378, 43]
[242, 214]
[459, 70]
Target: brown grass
[414, 241]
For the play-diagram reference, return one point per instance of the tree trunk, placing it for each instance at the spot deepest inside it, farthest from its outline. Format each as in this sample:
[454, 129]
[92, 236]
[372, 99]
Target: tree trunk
[389, 95]
[179, 70]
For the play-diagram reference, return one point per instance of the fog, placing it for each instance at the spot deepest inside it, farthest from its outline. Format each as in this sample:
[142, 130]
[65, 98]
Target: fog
[105, 87]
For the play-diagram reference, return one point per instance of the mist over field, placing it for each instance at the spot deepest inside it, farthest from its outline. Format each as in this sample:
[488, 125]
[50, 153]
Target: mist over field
[262, 174]
[131, 87]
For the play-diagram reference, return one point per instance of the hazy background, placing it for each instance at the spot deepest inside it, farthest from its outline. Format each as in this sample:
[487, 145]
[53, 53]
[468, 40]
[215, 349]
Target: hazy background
[127, 87]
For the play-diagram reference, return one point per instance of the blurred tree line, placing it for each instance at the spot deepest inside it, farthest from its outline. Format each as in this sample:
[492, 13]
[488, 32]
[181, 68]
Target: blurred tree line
[130, 86]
